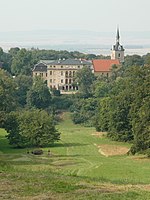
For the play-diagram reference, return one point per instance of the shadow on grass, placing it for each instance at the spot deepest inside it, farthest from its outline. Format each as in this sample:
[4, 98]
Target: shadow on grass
[68, 145]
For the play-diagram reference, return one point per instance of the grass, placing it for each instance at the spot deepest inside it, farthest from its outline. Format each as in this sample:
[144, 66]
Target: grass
[75, 169]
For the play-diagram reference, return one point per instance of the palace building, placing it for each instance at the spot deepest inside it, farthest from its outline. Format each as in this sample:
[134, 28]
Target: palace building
[59, 74]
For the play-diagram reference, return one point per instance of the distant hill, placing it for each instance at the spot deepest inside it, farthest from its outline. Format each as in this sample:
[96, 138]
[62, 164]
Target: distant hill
[71, 40]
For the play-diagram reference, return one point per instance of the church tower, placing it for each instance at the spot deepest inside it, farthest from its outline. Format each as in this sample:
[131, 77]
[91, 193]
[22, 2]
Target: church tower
[117, 49]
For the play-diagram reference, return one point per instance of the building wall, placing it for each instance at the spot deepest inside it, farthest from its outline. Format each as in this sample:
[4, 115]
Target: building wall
[40, 73]
[117, 55]
[107, 74]
[62, 76]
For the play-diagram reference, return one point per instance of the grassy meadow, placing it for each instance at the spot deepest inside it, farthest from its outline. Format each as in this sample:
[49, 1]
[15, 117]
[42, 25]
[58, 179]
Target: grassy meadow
[82, 165]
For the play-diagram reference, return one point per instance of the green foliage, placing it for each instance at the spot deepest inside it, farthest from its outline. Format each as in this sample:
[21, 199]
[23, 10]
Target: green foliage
[119, 121]
[39, 95]
[84, 78]
[13, 51]
[62, 102]
[76, 170]
[125, 113]
[32, 128]
[55, 92]
[147, 59]
[103, 116]
[24, 84]
[140, 109]
[83, 111]
[7, 92]
[134, 60]
[100, 89]
[22, 62]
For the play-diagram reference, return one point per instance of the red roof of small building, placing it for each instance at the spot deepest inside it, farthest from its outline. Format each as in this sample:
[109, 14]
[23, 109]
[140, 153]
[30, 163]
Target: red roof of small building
[104, 65]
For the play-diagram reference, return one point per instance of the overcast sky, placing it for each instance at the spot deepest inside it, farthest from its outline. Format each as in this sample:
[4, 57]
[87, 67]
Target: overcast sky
[93, 15]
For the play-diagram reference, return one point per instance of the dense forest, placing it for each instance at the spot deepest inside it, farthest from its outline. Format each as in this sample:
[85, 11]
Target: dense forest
[119, 105]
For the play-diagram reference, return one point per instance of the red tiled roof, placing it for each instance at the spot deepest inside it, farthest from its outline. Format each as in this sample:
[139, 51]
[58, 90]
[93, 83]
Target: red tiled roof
[104, 65]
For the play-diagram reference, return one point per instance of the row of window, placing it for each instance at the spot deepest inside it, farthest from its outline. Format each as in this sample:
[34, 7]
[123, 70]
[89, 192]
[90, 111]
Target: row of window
[67, 73]
[41, 74]
[53, 66]
[66, 81]
[66, 88]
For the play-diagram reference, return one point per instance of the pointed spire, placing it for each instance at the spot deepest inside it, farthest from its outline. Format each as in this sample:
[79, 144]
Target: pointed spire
[118, 36]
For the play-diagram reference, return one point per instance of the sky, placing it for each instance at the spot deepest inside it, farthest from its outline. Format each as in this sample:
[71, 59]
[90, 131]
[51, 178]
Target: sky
[91, 15]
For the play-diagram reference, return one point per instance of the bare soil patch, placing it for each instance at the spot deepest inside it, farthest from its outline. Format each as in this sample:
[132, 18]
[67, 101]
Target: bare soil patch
[112, 150]
[99, 134]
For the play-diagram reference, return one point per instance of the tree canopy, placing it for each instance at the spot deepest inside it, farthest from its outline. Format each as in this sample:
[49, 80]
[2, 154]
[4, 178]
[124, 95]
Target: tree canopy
[31, 128]
[39, 95]
[84, 78]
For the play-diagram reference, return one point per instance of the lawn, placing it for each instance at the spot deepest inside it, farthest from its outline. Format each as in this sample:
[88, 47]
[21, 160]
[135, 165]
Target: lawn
[76, 169]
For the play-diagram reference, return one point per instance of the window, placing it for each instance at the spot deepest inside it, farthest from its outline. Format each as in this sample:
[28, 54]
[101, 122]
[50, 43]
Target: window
[66, 81]
[54, 66]
[50, 80]
[79, 67]
[66, 73]
[73, 73]
[119, 55]
[50, 72]
[62, 73]
[54, 80]
[61, 66]
[46, 74]
[62, 81]
[36, 74]
[69, 73]
[69, 81]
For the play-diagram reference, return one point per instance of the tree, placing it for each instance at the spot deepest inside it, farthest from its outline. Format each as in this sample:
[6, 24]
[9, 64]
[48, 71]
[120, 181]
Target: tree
[134, 60]
[34, 128]
[140, 108]
[83, 111]
[147, 59]
[8, 100]
[84, 78]
[5, 59]
[103, 115]
[101, 88]
[22, 62]
[24, 84]
[13, 51]
[39, 95]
